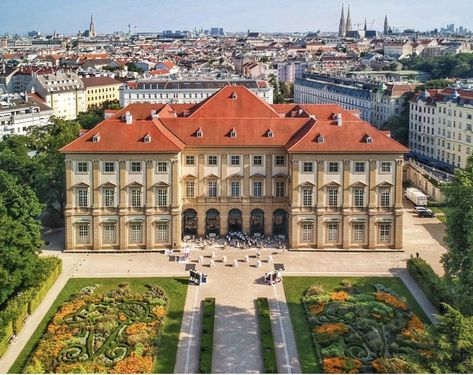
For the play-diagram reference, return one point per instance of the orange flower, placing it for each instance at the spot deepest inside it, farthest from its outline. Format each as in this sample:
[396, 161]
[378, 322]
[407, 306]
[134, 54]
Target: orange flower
[339, 296]
[391, 300]
[414, 327]
[159, 311]
[122, 317]
[331, 329]
[316, 308]
[69, 308]
[133, 329]
[133, 365]
[338, 365]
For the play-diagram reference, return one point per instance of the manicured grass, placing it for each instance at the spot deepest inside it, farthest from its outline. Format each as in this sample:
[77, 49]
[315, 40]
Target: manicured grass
[439, 213]
[295, 287]
[176, 290]
[266, 333]
[207, 337]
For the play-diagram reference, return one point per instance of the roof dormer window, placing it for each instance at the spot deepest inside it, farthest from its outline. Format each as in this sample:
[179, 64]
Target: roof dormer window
[199, 133]
[234, 96]
[320, 138]
[233, 134]
[368, 139]
[147, 138]
[96, 138]
[270, 134]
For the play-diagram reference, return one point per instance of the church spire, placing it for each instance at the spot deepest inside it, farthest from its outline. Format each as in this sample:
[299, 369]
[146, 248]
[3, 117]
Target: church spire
[92, 32]
[366, 26]
[348, 27]
[341, 27]
[386, 25]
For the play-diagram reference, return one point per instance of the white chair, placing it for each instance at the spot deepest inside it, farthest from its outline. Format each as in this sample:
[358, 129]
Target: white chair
[270, 259]
[212, 263]
[247, 258]
[235, 263]
[258, 263]
[213, 255]
[201, 259]
[224, 259]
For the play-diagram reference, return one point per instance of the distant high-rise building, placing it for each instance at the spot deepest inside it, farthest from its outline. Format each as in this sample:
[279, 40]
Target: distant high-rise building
[342, 26]
[92, 32]
[386, 25]
[348, 27]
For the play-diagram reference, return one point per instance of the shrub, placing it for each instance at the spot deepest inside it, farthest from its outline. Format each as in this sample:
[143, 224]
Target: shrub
[314, 290]
[206, 340]
[266, 333]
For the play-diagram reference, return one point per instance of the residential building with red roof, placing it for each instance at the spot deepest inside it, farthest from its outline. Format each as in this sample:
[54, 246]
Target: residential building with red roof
[151, 175]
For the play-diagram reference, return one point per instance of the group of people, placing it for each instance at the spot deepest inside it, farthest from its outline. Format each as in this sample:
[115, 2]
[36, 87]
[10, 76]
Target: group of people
[242, 240]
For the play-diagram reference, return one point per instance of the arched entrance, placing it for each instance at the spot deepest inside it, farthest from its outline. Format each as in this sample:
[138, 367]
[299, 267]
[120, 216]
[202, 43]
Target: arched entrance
[234, 220]
[280, 222]
[189, 222]
[257, 221]
[212, 222]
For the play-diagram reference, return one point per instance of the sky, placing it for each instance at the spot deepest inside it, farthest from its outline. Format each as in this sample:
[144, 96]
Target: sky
[70, 16]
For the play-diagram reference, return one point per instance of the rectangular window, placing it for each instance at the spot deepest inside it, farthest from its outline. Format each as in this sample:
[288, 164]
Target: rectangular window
[190, 160]
[359, 167]
[257, 189]
[83, 233]
[385, 198]
[333, 167]
[82, 197]
[235, 160]
[359, 197]
[109, 233]
[162, 195]
[190, 192]
[212, 189]
[82, 167]
[359, 232]
[109, 167]
[212, 160]
[307, 230]
[279, 189]
[162, 232]
[280, 160]
[235, 188]
[308, 167]
[385, 232]
[385, 167]
[332, 197]
[109, 197]
[307, 197]
[135, 197]
[162, 166]
[136, 233]
[135, 167]
[332, 232]
[257, 160]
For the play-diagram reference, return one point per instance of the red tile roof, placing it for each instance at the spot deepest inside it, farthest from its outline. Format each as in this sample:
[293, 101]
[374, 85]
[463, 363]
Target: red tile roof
[172, 127]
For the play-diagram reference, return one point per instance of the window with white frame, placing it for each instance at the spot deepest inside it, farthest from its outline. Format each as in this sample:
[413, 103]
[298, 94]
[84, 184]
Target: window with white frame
[257, 160]
[307, 167]
[332, 194]
[108, 196]
[279, 187]
[190, 160]
[307, 232]
[162, 197]
[82, 167]
[162, 232]
[333, 167]
[332, 232]
[358, 232]
[135, 167]
[359, 167]
[385, 167]
[235, 188]
[136, 232]
[109, 167]
[359, 197]
[307, 197]
[83, 233]
[212, 189]
[385, 232]
[162, 166]
[212, 160]
[257, 189]
[385, 197]
[109, 233]
[280, 160]
[82, 197]
[190, 189]
[135, 194]
[235, 160]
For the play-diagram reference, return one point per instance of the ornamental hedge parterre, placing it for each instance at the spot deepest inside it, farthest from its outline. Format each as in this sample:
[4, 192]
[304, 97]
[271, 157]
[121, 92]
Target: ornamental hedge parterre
[117, 332]
[355, 331]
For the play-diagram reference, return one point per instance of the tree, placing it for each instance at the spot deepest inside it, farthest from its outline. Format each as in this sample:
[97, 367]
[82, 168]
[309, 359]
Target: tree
[459, 65]
[16, 160]
[95, 114]
[458, 260]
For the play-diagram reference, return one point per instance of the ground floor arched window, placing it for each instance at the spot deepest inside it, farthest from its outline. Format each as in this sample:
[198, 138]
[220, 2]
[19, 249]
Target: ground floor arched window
[189, 222]
[280, 222]
[257, 222]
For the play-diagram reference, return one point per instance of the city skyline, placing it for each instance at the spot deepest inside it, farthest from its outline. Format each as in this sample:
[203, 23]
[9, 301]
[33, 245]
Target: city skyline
[19, 17]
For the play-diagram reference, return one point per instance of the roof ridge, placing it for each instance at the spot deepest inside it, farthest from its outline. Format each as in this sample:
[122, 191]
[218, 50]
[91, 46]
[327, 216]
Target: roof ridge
[168, 133]
[298, 138]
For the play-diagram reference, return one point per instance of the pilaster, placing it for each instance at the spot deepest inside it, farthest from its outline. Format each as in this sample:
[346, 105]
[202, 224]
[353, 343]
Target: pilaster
[96, 184]
[320, 184]
[398, 184]
[372, 184]
[69, 183]
[269, 176]
[200, 174]
[149, 184]
[246, 175]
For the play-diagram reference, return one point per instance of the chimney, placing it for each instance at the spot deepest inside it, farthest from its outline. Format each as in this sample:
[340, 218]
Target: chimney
[128, 118]
[154, 114]
[339, 119]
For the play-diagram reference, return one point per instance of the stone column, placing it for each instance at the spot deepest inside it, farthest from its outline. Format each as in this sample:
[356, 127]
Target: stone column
[149, 184]
[398, 229]
[372, 184]
[398, 184]
[372, 229]
[122, 232]
[223, 175]
[200, 174]
[175, 177]
[269, 176]
[96, 204]
[149, 232]
[246, 175]
[320, 230]
[97, 233]
[320, 184]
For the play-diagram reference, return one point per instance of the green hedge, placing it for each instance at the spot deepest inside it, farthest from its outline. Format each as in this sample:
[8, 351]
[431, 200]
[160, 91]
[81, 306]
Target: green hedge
[17, 308]
[207, 337]
[432, 285]
[267, 342]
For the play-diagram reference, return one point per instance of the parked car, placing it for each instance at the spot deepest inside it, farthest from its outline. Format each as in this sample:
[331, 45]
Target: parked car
[426, 213]
[418, 209]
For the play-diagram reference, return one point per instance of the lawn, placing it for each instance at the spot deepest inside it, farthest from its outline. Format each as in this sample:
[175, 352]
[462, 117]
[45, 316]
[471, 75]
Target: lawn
[175, 290]
[295, 288]
[439, 213]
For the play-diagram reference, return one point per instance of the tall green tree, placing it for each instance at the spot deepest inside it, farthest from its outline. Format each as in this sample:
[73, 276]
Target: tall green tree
[458, 260]
[15, 158]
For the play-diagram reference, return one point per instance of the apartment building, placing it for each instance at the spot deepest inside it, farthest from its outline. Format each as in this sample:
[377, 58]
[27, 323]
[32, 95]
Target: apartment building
[185, 91]
[100, 89]
[289, 71]
[440, 126]
[154, 173]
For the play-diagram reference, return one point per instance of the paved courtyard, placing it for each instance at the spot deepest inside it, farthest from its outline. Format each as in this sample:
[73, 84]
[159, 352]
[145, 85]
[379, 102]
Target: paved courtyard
[236, 341]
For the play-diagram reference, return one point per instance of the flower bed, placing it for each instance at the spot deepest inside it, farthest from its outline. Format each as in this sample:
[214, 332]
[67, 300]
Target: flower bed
[358, 331]
[113, 332]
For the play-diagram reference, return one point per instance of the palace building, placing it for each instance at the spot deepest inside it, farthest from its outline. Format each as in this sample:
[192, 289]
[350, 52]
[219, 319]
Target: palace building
[152, 174]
